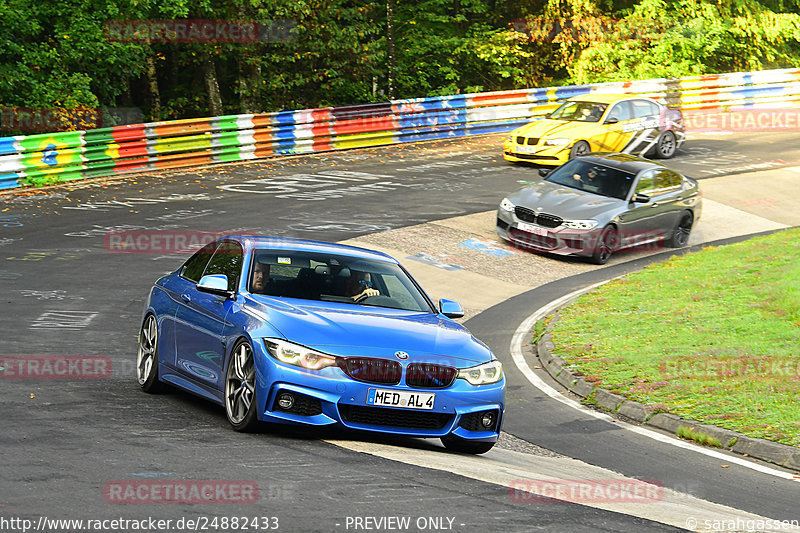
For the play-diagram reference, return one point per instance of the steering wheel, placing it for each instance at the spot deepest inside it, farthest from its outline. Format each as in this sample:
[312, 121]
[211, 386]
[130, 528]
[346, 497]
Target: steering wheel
[362, 298]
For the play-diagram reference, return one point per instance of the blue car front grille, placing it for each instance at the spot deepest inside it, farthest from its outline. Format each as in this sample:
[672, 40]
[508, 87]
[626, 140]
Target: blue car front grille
[393, 418]
[430, 376]
[371, 370]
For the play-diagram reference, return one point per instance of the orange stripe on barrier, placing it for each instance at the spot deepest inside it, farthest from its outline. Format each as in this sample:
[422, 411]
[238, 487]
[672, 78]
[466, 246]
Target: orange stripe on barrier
[181, 127]
[182, 160]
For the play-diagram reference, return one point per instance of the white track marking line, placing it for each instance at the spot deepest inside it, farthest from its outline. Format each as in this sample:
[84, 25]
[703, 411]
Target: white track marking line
[526, 476]
[525, 329]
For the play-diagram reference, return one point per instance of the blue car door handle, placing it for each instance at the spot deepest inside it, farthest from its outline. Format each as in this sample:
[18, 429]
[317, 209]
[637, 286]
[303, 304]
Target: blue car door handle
[186, 298]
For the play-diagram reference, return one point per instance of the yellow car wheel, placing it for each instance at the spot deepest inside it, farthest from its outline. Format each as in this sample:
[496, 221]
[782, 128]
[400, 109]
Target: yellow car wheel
[579, 148]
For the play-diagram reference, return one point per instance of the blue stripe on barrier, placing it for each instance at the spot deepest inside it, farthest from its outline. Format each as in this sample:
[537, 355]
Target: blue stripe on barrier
[284, 133]
[9, 181]
[432, 119]
[7, 145]
[752, 92]
[285, 117]
[562, 93]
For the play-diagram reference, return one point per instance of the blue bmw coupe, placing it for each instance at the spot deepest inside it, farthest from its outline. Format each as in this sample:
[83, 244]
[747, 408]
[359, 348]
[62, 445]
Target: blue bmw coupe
[311, 333]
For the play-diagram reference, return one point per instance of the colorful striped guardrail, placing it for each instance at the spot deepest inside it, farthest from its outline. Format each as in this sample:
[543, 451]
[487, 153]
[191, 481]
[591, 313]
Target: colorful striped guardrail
[55, 157]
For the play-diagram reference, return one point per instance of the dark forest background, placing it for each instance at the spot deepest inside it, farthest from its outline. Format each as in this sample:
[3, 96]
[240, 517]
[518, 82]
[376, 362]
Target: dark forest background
[316, 53]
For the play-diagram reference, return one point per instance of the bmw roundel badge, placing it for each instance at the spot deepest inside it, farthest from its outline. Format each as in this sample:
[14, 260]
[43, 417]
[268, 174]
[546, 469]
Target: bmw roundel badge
[401, 355]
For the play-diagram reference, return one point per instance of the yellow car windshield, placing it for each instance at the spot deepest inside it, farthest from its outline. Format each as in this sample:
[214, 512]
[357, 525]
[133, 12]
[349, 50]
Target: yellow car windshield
[582, 111]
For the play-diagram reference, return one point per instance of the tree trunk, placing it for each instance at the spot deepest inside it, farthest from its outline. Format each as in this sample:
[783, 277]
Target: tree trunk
[390, 46]
[249, 64]
[212, 85]
[154, 96]
[249, 80]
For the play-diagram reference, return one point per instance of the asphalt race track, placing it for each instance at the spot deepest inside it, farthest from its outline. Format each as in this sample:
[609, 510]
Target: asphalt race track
[67, 291]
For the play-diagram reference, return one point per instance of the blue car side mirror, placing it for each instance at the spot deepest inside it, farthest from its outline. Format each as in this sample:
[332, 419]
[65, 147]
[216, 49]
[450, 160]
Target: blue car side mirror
[215, 284]
[450, 309]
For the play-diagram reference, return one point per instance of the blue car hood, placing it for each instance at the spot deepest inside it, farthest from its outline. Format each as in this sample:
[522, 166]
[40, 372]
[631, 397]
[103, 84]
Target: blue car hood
[355, 330]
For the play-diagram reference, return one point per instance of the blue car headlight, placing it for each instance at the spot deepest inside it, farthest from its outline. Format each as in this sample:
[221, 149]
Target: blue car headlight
[483, 374]
[294, 354]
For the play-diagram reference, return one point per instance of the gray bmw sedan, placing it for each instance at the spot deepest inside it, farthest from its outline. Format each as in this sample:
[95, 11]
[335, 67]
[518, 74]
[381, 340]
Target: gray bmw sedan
[595, 205]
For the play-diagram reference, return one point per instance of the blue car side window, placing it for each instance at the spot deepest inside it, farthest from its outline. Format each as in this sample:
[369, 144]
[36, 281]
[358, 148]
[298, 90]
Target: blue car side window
[194, 267]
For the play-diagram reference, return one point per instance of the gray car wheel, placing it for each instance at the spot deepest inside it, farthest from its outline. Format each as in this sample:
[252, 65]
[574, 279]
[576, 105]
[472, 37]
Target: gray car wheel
[680, 235]
[147, 356]
[606, 245]
[666, 146]
[240, 388]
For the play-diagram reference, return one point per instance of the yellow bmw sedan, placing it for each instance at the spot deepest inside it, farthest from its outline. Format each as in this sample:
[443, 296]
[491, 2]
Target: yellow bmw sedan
[598, 123]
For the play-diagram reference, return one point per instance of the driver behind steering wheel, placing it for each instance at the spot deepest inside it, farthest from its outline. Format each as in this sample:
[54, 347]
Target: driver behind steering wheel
[359, 286]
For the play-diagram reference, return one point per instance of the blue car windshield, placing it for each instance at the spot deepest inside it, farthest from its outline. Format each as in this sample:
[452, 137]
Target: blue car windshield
[334, 278]
[588, 176]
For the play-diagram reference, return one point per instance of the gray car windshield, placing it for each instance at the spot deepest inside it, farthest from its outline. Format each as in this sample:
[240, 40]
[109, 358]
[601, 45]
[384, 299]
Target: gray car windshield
[588, 176]
[334, 278]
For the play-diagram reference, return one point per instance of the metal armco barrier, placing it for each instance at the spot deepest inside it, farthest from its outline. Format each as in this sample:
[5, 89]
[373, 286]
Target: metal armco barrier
[56, 157]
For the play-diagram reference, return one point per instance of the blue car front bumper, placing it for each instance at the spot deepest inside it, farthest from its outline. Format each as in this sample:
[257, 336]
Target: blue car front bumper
[329, 396]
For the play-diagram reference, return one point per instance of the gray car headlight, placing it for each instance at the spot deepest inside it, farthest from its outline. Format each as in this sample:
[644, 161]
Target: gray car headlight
[555, 142]
[506, 205]
[294, 354]
[579, 224]
[484, 374]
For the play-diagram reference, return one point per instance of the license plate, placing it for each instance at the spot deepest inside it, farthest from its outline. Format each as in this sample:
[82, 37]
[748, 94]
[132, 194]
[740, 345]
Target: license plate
[530, 228]
[404, 399]
[526, 149]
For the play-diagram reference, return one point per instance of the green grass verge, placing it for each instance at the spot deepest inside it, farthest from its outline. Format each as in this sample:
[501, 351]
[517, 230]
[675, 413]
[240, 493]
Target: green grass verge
[698, 436]
[713, 336]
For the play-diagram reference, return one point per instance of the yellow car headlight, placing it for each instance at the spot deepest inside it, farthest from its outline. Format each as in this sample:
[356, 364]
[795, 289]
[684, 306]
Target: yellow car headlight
[555, 142]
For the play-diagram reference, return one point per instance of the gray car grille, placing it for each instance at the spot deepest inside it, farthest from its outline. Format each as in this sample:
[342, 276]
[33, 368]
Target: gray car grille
[543, 219]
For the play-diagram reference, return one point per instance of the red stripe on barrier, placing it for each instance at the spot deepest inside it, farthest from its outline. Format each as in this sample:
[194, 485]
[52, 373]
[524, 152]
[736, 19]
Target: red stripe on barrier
[363, 125]
[131, 132]
[131, 149]
[520, 97]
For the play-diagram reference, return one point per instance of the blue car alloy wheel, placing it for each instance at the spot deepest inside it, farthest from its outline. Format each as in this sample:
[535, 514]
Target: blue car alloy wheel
[309, 333]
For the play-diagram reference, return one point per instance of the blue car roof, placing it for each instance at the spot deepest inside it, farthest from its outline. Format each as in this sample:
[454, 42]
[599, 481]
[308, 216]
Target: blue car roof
[251, 242]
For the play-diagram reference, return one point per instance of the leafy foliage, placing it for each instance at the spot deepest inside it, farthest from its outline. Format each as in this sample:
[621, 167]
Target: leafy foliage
[334, 52]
